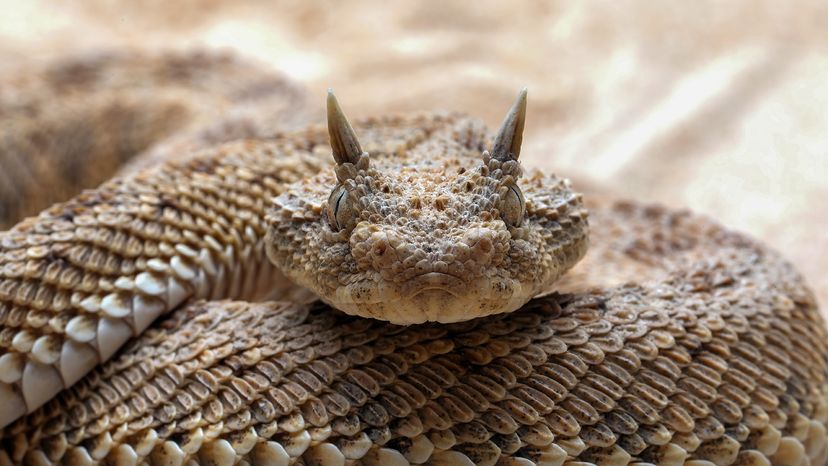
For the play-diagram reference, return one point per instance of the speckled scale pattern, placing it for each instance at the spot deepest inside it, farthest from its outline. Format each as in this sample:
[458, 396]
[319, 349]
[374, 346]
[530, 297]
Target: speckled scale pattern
[714, 359]
[72, 123]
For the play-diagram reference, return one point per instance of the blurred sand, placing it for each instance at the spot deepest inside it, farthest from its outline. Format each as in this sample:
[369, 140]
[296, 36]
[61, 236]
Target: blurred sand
[720, 107]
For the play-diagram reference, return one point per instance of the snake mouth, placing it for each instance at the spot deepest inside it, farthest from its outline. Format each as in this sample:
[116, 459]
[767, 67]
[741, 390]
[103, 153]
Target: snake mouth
[433, 281]
[431, 297]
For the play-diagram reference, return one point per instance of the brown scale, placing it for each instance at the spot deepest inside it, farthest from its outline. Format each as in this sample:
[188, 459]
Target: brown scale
[672, 371]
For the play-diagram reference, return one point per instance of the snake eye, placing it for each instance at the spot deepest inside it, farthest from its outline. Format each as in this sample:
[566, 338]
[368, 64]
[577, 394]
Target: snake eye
[341, 210]
[512, 206]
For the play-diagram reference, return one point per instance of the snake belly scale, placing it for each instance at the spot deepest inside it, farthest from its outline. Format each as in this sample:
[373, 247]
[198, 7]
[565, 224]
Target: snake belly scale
[134, 327]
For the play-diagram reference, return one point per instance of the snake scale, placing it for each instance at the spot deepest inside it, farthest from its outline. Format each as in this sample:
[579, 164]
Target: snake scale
[159, 298]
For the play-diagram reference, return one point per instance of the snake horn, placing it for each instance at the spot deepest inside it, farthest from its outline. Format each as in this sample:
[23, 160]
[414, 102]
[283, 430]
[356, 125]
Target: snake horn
[344, 142]
[507, 143]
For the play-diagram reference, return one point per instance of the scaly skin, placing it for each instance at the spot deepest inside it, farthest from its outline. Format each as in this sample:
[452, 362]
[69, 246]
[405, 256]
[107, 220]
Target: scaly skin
[718, 357]
[710, 350]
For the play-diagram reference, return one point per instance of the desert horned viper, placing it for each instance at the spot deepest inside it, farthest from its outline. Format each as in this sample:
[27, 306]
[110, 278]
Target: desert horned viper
[674, 341]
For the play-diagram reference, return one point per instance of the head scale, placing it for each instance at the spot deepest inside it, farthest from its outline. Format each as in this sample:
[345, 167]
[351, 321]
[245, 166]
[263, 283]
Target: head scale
[438, 231]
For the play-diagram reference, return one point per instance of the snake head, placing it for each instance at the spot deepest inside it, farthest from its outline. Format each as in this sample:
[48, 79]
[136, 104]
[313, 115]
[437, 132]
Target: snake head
[431, 226]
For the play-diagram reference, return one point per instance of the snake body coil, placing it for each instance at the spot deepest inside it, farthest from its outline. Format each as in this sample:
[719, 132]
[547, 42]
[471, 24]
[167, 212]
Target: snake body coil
[675, 340]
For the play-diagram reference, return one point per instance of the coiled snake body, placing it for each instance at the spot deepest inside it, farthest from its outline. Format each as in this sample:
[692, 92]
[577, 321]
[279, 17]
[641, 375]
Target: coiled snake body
[675, 341]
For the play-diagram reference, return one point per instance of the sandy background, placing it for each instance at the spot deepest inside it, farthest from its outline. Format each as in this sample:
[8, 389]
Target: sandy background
[717, 106]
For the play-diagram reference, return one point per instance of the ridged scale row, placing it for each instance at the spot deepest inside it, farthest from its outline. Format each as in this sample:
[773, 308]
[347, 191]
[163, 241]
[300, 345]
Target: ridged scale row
[78, 281]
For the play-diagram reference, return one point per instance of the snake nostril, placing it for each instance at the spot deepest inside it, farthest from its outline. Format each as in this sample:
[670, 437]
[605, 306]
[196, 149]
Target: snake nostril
[380, 246]
[382, 254]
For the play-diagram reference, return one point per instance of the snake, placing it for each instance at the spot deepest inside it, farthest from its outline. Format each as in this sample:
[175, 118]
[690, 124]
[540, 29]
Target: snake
[261, 289]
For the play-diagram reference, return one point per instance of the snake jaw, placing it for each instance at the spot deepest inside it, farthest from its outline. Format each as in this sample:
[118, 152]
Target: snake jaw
[434, 282]
[430, 297]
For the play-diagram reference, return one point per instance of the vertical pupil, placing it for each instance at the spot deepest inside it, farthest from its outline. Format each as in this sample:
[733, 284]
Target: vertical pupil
[517, 214]
[339, 200]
